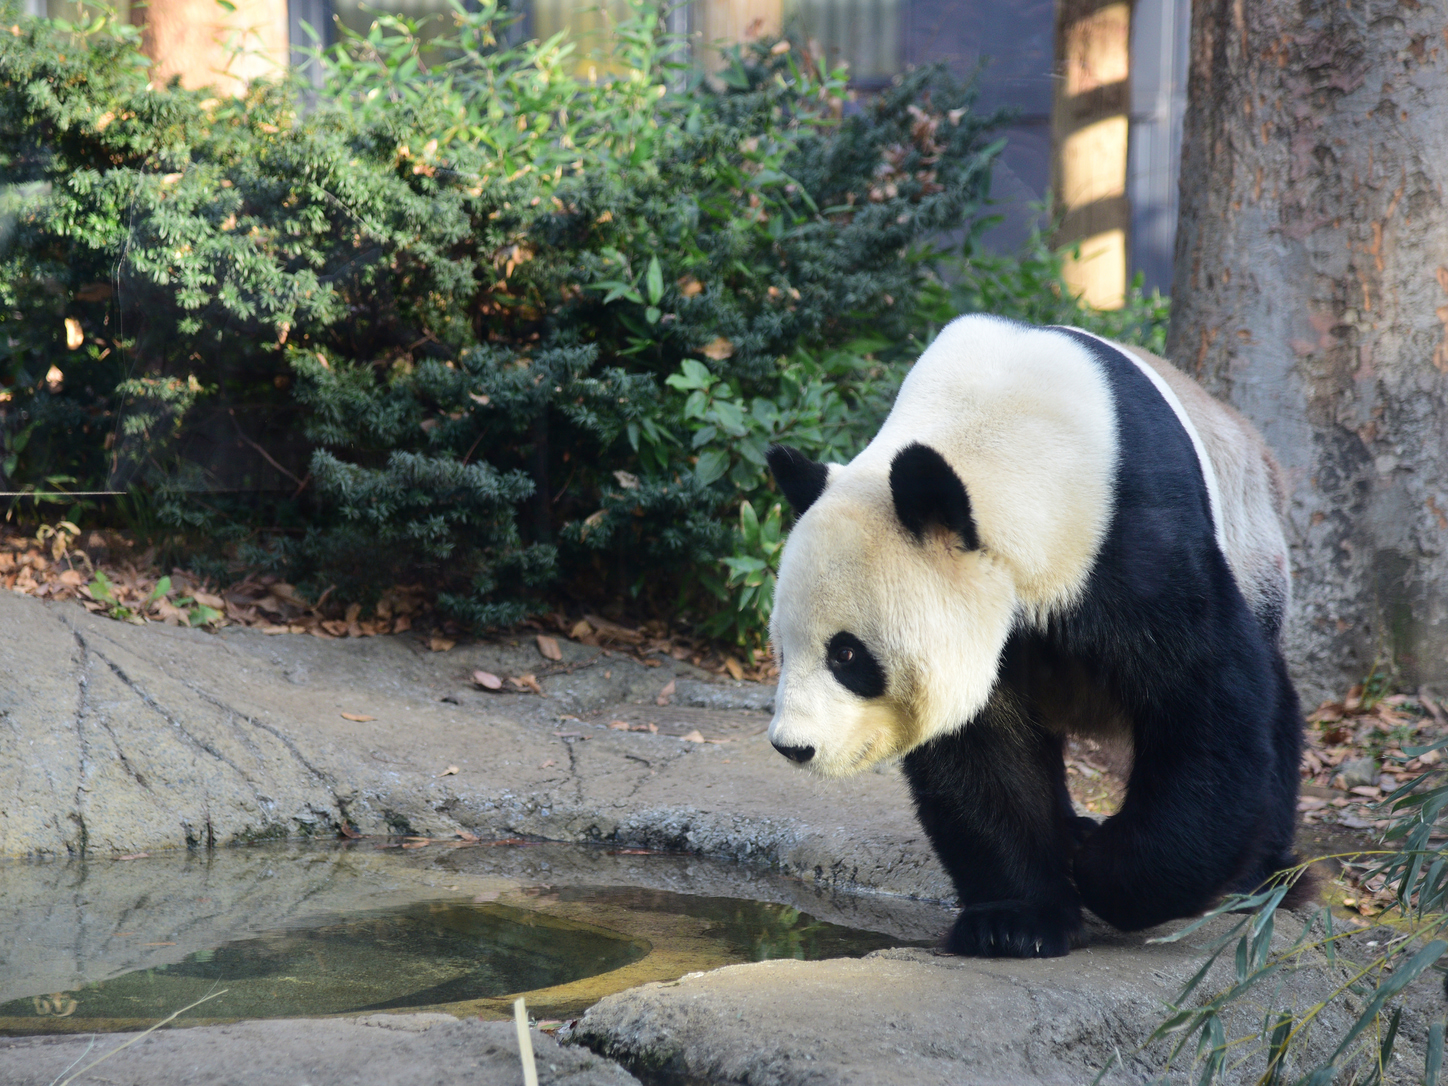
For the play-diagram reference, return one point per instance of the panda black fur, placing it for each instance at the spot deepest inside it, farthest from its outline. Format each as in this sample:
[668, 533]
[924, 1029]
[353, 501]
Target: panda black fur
[1050, 535]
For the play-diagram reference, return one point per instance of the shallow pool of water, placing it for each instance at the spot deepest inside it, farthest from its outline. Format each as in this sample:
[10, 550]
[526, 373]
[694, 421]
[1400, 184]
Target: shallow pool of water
[292, 931]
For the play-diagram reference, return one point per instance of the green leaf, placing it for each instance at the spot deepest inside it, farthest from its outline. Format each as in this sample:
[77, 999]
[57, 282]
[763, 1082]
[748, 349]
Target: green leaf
[730, 417]
[654, 281]
[1401, 977]
[652, 314]
[1433, 1058]
[748, 522]
[100, 589]
[162, 587]
[1277, 1049]
[711, 467]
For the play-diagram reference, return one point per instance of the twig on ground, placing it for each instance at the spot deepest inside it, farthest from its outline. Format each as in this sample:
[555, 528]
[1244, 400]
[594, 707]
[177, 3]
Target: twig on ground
[158, 1025]
[525, 1043]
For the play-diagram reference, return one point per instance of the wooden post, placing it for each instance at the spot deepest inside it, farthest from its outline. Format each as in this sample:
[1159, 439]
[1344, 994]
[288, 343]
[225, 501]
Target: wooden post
[1089, 125]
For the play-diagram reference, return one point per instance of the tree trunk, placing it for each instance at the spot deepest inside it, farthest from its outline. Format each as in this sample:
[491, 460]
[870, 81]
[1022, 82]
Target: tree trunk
[1311, 291]
[208, 45]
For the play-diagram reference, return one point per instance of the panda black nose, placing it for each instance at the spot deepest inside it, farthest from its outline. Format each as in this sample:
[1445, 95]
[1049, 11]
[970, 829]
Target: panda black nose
[796, 754]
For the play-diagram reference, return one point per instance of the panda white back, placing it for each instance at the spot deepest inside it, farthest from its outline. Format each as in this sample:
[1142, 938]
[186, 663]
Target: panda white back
[1025, 418]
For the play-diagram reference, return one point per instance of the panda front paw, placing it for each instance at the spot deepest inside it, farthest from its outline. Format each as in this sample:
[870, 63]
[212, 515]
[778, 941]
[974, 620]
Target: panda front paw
[1014, 929]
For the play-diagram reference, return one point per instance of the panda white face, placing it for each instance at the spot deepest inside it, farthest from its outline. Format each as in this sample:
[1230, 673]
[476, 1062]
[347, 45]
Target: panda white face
[886, 639]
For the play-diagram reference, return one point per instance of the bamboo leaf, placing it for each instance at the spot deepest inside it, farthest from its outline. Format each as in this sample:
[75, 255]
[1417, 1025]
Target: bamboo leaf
[1401, 977]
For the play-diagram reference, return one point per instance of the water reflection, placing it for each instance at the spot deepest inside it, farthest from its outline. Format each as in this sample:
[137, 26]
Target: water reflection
[421, 955]
[295, 931]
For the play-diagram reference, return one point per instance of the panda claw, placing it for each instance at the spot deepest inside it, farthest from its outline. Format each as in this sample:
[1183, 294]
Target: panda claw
[1013, 929]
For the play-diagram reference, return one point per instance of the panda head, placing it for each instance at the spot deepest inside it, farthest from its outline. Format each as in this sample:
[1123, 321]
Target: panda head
[889, 617]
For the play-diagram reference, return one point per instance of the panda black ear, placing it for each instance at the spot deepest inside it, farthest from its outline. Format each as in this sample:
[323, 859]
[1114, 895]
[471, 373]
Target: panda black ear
[802, 479]
[927, 491]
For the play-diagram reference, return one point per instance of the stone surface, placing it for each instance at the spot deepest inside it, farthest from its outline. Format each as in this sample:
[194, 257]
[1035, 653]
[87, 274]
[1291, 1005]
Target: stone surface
[1359, 771]
[911, 1016]
[116, 739]
[375, 1050]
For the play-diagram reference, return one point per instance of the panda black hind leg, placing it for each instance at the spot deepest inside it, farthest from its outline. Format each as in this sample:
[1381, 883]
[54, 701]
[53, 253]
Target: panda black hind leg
[1211, 799]
[992, 799]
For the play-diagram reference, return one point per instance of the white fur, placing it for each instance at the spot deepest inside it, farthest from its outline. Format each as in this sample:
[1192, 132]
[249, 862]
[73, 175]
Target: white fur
[1025, 417]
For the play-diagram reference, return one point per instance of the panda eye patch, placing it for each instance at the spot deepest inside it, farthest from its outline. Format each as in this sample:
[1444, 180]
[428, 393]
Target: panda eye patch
[854, 666]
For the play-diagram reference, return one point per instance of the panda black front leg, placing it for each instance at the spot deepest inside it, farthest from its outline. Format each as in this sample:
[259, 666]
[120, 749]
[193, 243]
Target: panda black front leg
[990, 798]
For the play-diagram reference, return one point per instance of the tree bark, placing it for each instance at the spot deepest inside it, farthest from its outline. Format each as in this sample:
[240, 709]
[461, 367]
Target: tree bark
[209, 46]
[1311, 291]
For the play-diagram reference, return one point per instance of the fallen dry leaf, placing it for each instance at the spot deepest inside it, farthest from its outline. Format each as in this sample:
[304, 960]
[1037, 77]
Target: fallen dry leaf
[469, 837]
[349, 832]
[549, 647]
[549, 764]
[581, 629]
[358, 717]
[666, 693]
[619, 725]
[692, 737]
[135, 856]
[528, 682]
[717, 349]
[487, 680]
[733, 666]
[440, 644]
[417, 842]
[612, 631]
[73, 578]
[448, 772]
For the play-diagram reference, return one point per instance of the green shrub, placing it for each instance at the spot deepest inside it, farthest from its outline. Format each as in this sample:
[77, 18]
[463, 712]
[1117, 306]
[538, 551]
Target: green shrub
[471, 319]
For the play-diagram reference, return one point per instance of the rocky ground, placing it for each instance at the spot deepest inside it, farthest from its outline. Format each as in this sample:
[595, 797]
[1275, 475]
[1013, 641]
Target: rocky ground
[120, 739]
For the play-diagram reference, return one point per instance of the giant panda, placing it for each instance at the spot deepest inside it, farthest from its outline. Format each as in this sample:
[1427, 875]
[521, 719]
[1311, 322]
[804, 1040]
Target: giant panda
[1051, 534]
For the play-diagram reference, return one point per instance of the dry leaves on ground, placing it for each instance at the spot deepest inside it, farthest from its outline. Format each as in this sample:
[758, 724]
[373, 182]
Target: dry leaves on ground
[1353, 758]
[62, 562]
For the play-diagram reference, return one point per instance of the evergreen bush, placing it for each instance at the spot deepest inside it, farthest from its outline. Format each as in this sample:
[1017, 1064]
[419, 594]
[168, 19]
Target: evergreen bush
[471, 317]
